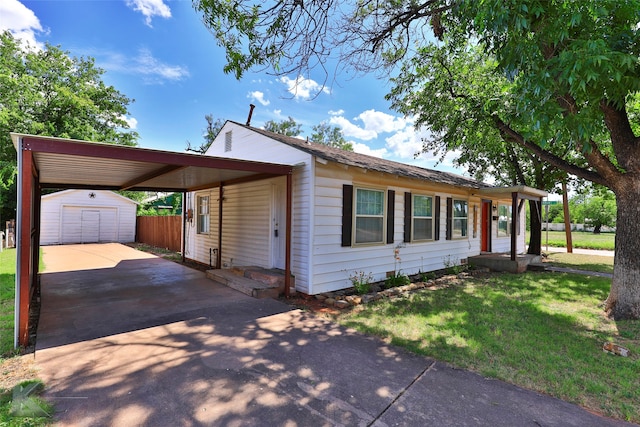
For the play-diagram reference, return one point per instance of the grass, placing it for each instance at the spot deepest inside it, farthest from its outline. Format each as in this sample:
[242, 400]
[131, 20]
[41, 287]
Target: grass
[541, 331]
[579, 239]
[7, 290]
[22, 407]
[602, 264]
[9, 363]
[161, 252]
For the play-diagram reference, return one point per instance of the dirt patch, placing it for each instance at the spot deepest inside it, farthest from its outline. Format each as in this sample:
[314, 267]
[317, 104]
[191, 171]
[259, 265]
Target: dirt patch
[310, 303]
[17, 369]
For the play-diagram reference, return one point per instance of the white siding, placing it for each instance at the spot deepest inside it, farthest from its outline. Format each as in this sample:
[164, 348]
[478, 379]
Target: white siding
[247, 228]
[108, 217]
[201, 247]
[334, 264]
[319, 262]
[503, 243]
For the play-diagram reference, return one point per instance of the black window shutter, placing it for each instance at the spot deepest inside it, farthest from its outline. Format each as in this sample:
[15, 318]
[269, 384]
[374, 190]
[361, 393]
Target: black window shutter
[391, 208]
[407, 216]
[449, 233]
[347, 214]
[436, 219]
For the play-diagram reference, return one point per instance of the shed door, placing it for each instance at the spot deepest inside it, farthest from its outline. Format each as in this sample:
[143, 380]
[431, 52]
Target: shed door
[90, 226]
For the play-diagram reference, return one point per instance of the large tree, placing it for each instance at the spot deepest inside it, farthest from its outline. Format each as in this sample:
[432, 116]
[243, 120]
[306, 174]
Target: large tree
[456, 92]
[47, 92]
[574, 68]
[287, 127]
[332, 136]
[211, 131]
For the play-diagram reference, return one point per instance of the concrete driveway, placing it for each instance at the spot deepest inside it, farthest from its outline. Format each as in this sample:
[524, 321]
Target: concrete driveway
[133, 340]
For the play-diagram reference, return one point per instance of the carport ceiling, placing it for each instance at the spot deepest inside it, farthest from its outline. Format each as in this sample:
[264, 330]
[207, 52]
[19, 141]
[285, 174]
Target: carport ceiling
[65, 163]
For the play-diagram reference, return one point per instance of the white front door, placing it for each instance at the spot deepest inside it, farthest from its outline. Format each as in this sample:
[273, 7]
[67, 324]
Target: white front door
[278, 225]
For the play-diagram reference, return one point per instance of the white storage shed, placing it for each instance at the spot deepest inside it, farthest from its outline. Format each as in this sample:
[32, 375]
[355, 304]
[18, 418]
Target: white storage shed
[87, 216]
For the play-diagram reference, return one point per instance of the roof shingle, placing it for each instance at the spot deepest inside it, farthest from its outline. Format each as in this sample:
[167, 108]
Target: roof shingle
[369, 162]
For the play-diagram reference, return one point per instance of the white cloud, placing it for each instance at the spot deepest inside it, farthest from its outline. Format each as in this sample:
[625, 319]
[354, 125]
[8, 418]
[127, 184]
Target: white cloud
[155, 71]
[144, 63]
[302, 88]
[361, 148]
[150, 8]
[405, 143]
[378, 121]
[351, 130]
[259, 97]
[131, 121]
[373, 124]
[21, 22]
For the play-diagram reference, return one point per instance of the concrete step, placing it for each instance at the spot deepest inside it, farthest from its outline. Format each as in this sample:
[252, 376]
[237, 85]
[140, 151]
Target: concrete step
[536, 267]
[245, 285]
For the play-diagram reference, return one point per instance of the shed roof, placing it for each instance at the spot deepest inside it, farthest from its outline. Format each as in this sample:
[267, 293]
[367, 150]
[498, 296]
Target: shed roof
[64, 193]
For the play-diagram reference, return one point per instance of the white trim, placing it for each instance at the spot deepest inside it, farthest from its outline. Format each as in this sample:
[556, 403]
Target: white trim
[433, 219]
[354, 227]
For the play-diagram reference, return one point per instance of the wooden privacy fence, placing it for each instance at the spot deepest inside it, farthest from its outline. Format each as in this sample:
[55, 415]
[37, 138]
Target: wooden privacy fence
[160, 231]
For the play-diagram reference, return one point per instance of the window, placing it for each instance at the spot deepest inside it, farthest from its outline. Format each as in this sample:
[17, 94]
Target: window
[203, 214]
[460, 218]
[504, 220]
[369, 216]
[422, 218]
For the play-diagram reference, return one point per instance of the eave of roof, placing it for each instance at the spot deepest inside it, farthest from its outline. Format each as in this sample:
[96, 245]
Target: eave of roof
[508, 191]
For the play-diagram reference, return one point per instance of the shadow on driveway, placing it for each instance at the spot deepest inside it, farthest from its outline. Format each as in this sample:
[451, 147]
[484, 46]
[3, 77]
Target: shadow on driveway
[148, 342]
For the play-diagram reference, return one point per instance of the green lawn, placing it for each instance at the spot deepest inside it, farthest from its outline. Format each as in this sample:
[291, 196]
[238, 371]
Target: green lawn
[29, 417]
[579, 240]
[7, 287]
[542, 331]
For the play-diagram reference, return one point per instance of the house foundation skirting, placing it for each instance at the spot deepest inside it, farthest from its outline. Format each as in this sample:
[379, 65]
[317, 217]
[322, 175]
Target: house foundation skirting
[503, 262]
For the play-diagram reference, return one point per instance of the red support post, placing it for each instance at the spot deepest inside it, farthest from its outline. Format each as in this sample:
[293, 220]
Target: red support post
[24, 241]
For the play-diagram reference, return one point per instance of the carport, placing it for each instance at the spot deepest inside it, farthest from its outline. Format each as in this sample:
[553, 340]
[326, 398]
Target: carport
[46, 162]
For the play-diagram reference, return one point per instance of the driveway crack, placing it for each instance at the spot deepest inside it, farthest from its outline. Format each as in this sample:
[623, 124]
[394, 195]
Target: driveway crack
[420, 375]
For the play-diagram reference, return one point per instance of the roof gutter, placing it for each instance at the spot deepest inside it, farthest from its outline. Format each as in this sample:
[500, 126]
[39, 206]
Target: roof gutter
[507, 191]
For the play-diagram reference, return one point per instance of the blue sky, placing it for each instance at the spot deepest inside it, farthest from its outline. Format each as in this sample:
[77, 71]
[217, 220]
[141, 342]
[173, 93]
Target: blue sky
[159, 53]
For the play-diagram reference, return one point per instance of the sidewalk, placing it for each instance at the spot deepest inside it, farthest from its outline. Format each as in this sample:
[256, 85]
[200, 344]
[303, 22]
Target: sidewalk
[599, 252]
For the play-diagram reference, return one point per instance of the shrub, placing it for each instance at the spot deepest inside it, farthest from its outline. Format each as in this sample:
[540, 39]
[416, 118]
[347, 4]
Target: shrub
[361, 282]
[397, 279]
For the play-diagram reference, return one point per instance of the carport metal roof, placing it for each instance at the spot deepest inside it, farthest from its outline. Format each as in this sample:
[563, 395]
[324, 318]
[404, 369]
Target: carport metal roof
[66, 163]
[47, 162]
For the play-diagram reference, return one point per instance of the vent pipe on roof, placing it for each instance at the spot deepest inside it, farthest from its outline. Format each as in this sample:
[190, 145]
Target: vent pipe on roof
[251, 107]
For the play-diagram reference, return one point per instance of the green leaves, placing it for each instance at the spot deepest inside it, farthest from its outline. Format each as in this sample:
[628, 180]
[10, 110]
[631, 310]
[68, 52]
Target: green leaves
[47, 92]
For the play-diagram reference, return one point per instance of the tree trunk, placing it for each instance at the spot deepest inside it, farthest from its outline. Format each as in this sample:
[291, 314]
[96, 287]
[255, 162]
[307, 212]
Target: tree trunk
[597, 229]
[624, 297]
[535, 228]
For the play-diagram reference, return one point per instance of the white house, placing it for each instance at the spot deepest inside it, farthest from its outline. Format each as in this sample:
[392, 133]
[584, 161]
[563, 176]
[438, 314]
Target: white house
[87, 216]
[350, 213]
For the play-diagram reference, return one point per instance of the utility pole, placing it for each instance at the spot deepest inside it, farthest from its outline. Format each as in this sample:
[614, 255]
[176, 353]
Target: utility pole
[567, 219]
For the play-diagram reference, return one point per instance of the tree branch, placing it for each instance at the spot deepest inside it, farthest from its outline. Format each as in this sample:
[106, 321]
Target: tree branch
[626, 144]
[546, 156]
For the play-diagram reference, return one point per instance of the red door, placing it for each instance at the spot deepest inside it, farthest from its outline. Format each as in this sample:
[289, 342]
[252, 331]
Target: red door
[485, 228]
